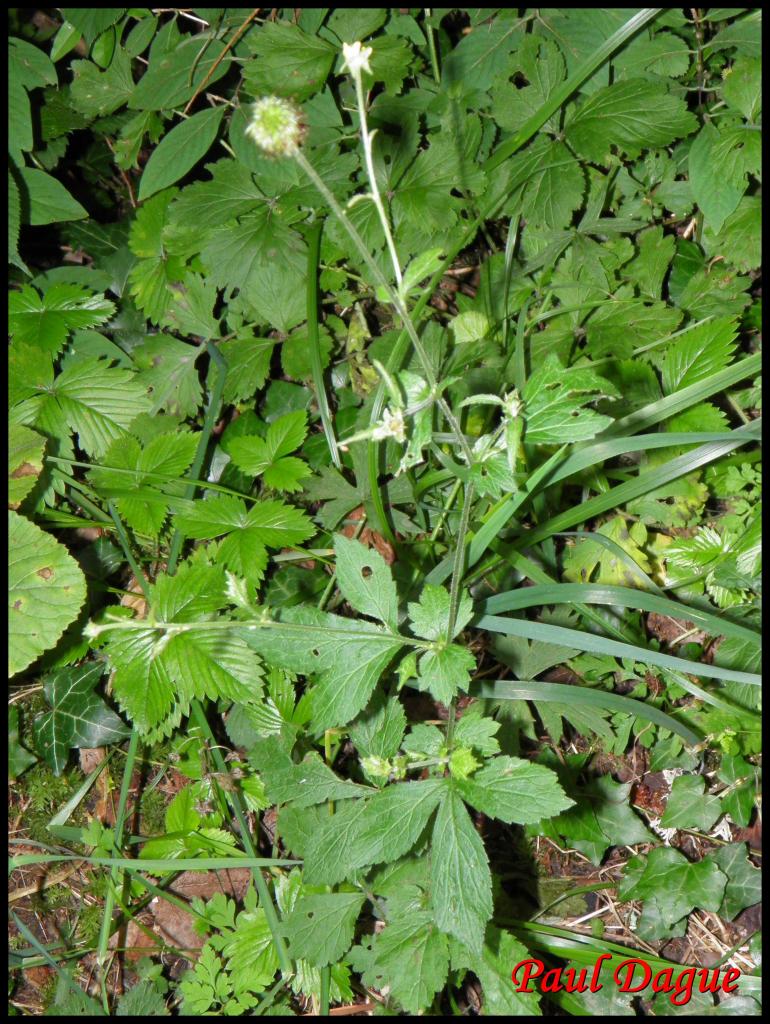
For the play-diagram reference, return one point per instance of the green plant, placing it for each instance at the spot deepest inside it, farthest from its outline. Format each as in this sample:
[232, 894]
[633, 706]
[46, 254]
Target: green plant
[318, 497]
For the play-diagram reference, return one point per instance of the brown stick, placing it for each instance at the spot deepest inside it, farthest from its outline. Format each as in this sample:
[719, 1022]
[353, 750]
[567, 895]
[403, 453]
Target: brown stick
[218, 61]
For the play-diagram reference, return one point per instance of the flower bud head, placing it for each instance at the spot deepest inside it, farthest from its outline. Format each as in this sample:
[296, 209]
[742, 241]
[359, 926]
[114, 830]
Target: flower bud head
[275, 125]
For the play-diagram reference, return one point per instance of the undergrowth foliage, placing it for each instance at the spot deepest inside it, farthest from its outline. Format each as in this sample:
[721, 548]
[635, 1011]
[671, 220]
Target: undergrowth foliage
[366, 366]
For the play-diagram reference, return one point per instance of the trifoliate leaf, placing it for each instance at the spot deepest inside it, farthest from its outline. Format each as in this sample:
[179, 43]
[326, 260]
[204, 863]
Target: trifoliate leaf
[320, 928]
[266, 456]
[461, 880]
[47, 320]
[365, 580]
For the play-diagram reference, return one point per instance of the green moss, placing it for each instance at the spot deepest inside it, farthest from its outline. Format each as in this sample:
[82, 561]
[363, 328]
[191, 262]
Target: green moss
[152, 813]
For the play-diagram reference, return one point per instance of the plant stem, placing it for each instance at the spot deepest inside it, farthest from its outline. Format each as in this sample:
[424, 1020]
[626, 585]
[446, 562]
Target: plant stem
[314, 249]
[265, 900]
[432, 45]
[102, 951]
[395, 300]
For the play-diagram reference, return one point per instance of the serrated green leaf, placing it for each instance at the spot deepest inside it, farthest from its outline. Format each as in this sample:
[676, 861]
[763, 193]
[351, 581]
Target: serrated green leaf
[379, 730]
[46, 591]
[444, 671]
[167, 369]
[25, 462]
[409, 958]
[698, 353]
[47, 320]
[501, 997]
[365, 580]
[461, 880]
[555, 400]
[289, 62]
[310, 782]
[320, 928]
[179, 151]
[514, 790]
[628, 116]
[172, 77]
[429, 617]
[78, 716]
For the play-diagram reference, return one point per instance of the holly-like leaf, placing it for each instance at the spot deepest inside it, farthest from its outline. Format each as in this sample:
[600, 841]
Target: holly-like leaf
[365, 580]
[46, 320]
[46, 591]
[78, 716]
[320, 927]
[461, 880]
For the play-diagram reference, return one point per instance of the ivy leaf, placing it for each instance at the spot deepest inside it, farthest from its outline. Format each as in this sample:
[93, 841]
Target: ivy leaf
[46, 591]
[365, 580]
[689, 806]
[19, 758]
[677, 885]
[743, 887]
[699, 353]
[514, 790]
[78, 716]
[461, 880]
[47, 320]
[628, 116]
[320, 928]
[179, 151]
[267, 457]
[409, 957]
[555, 398]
